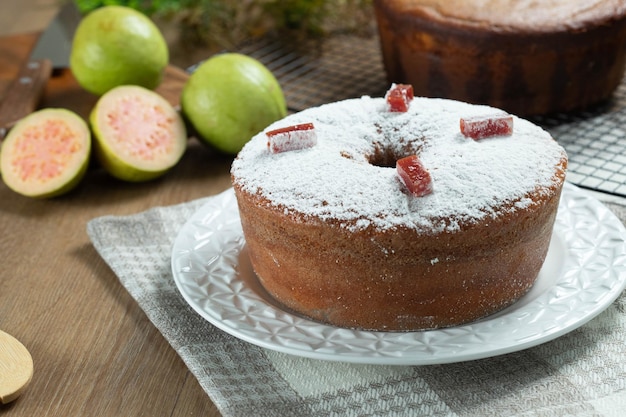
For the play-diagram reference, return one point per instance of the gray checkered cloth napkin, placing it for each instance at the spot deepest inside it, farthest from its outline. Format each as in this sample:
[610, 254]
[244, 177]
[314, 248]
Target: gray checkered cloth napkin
[580, 374]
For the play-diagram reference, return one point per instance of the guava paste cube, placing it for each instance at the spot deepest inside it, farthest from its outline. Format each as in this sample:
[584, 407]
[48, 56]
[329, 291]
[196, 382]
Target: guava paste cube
[399, 97]
[480, 127]
[414, 176]
[291, 138]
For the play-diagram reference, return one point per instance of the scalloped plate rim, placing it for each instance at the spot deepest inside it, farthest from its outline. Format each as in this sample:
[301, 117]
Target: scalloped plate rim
[421, 349]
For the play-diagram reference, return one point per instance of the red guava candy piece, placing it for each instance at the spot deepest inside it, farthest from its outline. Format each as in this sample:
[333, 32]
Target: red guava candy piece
[399, 97]
[291, 138]
[480, 127]
[415, 177]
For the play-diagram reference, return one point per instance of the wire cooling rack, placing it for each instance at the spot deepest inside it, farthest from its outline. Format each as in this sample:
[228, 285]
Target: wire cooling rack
[347, 66]
[595, 141]
[320, 72]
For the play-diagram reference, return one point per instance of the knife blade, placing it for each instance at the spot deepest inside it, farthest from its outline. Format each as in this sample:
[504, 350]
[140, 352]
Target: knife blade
[52, 51]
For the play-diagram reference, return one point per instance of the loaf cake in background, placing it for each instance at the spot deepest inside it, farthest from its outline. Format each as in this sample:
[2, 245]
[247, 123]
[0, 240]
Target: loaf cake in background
[526, 57]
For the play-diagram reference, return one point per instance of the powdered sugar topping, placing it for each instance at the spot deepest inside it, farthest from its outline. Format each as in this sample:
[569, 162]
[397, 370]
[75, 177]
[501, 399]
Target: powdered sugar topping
[349, 175]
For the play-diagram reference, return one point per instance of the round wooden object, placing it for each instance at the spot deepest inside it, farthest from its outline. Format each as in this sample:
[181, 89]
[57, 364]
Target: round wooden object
[16, 368]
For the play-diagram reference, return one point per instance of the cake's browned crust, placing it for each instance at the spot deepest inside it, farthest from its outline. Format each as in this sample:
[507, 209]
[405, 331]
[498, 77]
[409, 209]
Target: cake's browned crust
[398, 279]
[553, 56]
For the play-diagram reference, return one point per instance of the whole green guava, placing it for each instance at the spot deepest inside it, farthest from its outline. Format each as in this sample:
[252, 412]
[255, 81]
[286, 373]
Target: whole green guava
[116, 45]
[230, 98]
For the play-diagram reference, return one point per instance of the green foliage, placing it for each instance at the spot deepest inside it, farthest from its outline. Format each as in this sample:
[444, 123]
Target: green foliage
[145, 6]
[293, 13]
[225, 22]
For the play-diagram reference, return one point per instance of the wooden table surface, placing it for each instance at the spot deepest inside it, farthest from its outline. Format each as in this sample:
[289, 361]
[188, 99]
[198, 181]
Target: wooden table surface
[94, 351]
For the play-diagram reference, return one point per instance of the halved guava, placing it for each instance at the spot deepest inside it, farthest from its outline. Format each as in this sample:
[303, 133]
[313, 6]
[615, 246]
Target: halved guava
[46, 154]
[138, 134]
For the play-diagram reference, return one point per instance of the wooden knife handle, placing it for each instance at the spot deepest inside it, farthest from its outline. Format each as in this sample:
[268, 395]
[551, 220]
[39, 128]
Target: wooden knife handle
[24, 94]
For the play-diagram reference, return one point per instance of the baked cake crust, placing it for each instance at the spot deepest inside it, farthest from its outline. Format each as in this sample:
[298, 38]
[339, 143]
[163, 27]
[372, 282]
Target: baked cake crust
[360, 252]
[528, 58]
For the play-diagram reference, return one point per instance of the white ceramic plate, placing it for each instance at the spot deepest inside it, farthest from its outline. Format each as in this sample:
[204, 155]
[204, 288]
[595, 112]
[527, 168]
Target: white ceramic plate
[584, 273]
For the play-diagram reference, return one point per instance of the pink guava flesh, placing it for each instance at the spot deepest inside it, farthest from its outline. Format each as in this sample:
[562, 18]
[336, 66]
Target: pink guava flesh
[147, 137]
[45, 150]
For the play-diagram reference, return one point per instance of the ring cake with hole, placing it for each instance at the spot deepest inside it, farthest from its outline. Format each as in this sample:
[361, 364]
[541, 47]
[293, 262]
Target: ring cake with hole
[398, 213]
